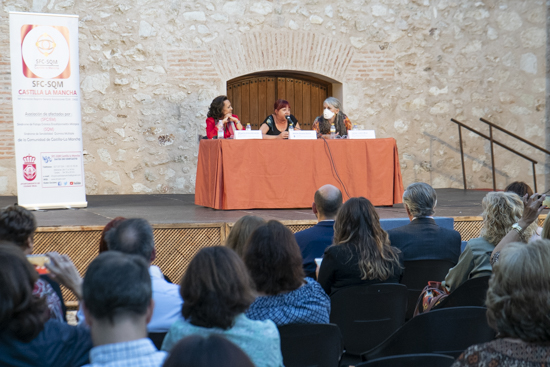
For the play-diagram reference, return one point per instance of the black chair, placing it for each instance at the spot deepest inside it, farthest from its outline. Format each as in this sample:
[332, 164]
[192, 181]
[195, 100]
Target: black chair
[470, 293]
[416, 276]
[368, 314]
[157, 339]
[312, 345]
[411, 360]
[447, 331]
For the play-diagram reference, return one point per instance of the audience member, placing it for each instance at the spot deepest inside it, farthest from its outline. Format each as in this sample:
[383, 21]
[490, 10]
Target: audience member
[135, 236]
[361, 253]
[522, 189]
[313, 241]
[28, 337]
[217, 290]
[118, 305]
[422, 238]
[17, 225]
[112, 224]
[518, 301]
[241, 231]
[198, 351]
[275, 265]
[500, 211]
[533, 206]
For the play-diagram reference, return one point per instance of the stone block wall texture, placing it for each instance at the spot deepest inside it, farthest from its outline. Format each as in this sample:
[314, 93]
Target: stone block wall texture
[149, 70]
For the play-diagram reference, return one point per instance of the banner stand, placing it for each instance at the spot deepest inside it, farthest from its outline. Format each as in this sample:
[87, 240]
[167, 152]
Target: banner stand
[46, 111]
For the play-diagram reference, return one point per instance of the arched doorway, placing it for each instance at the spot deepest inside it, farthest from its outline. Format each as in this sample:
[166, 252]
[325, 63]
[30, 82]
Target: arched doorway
[252, 96]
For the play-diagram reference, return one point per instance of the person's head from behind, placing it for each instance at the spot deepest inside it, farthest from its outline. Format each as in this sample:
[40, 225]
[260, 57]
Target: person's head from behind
[17, 225]
[198, 351]
[273, 259]
[500, 211]
[133, 236]
[241, 231]
[357, 224]
[112, 224]
[420, 200]
[520, 188]
[518, 299]
[21, 313]
[327, 201]
[215, 288]
[117, 290]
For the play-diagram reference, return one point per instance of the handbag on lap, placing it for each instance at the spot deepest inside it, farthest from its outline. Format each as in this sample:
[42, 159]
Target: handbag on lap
[431, 296]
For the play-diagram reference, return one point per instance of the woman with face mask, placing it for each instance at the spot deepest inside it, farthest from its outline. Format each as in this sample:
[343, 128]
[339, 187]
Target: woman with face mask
[332, 114]
[275, 126]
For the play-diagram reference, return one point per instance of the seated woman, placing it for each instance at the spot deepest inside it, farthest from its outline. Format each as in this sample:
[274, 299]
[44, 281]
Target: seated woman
[274, 261]
[500, 211]
[216, 291]
[522, 189]
[361, 252]
[28, 336]
[242, 229]
[275, 126]
[198, 351]
[332, 114]
[17, 226]
[518, 300]
[220, 109]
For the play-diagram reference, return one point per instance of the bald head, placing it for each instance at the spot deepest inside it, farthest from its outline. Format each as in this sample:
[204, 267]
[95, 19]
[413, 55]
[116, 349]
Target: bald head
[328, 199]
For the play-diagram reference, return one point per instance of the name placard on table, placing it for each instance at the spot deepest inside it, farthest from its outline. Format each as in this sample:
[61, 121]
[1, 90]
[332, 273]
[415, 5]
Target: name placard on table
[303, 134]
[248, 134]
[361, 134]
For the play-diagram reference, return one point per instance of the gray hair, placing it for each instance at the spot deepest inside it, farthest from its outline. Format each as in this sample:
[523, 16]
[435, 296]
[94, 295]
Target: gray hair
[132, 236]
[420, 198]
[334, 102]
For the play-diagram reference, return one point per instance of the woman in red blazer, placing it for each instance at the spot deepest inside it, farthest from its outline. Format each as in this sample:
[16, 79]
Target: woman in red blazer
[220, 109]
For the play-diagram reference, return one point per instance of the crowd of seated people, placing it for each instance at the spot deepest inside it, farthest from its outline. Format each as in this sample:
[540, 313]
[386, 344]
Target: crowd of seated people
[232, 299]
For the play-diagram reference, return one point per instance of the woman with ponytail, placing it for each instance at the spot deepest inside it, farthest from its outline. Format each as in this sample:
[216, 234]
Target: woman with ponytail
[361, 252]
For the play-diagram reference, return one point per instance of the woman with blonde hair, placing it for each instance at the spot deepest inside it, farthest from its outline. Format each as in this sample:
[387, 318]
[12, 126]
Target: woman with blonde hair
[361, 252]
[518, 301]
[501, 210]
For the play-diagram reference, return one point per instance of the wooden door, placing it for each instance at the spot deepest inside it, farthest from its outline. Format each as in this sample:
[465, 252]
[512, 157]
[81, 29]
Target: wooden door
[253, 97]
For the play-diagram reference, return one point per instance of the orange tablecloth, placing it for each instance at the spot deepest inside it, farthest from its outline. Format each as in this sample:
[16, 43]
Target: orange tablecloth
[277, 174]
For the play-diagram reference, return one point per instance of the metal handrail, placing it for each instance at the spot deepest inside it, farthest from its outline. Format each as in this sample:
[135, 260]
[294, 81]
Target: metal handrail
[493, 141]
[514, 135]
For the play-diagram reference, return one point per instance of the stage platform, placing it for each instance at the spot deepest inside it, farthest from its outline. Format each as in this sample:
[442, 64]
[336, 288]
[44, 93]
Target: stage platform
[173, 209]
[182, 228]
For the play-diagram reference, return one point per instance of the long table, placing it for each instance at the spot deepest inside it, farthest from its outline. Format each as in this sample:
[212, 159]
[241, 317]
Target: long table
[279, 174]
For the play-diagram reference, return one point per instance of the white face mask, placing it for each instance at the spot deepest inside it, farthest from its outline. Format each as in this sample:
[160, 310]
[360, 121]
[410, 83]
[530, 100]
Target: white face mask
[328, 114]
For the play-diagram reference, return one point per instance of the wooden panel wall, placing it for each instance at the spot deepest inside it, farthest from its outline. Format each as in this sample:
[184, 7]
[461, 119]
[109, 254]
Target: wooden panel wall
[252, 98]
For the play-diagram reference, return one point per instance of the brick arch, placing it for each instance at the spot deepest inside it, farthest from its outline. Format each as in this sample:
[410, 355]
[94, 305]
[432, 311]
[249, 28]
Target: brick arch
[233, 56]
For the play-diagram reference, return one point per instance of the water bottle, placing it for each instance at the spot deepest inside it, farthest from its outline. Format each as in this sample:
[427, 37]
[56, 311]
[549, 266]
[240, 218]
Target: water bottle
[248, 127]
[290, 127]
[332, 131]
[220, 129]
[355, 127]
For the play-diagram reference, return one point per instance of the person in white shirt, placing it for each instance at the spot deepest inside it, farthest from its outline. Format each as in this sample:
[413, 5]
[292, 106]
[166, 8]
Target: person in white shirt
[135, 236]
[118, 305]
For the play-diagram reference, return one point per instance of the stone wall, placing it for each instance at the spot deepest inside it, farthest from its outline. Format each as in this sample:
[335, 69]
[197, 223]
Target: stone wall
[149, 70]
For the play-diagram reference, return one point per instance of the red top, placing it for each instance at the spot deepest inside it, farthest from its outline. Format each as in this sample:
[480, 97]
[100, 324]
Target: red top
[212, 130]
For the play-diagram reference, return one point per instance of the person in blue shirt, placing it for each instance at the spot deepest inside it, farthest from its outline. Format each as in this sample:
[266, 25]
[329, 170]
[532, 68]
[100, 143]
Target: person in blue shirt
[313, 241]
[284, 295]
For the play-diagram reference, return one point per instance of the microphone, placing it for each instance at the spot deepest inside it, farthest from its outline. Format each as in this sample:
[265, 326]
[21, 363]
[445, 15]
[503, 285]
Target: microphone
[289, 120]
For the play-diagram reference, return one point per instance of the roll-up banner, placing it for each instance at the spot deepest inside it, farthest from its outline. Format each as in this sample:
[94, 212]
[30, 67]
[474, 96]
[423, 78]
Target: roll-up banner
[46, 110]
